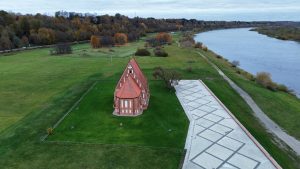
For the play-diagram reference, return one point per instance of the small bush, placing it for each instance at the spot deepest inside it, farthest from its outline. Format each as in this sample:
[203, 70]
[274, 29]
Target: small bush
[235, 63]
[219, 56]
[283, 88]
[265, 80]
[189, 69]
[249, 76]
[272, 86]
[50, 131]
[204, 48]
[186, 44]
[187, 40]
[170, 77]
[60, 49]
[160, 52]
[198, 45]
[142, 52]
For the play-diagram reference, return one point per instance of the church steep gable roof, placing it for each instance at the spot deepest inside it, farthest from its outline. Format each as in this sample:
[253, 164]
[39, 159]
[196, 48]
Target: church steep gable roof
[139, 78]
[139, 73]
[129, 89]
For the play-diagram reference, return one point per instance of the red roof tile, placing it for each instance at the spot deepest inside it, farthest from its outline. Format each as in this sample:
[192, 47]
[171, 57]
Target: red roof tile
[138, 72]
[129, 89]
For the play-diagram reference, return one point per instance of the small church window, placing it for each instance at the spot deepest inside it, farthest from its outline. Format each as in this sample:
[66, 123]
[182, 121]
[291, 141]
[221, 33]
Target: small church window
[126, 103]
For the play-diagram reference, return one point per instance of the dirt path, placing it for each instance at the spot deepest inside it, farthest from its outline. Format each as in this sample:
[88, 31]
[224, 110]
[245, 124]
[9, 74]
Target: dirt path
[270, 125]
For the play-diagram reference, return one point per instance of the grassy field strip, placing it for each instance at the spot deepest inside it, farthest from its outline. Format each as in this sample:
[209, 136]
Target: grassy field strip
[93, 121]
[270, 125]
[68, 112]
[114, 145]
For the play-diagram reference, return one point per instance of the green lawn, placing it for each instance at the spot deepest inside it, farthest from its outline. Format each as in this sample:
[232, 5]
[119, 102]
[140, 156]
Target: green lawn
[30, 79]
[36, 90]
[163, 124]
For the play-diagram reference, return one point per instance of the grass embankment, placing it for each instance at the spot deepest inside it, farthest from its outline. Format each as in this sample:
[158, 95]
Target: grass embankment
[280, 32]
[281, 107]
[45, 87]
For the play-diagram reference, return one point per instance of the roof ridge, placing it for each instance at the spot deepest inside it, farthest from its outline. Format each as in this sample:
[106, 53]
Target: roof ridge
[129, 89]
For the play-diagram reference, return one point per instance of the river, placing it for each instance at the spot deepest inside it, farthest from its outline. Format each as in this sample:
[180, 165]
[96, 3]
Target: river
[257, 53]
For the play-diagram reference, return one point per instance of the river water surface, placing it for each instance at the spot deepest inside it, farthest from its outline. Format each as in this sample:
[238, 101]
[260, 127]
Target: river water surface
[257, 53]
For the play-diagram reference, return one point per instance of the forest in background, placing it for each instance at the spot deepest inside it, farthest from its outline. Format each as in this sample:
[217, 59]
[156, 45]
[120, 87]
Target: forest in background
[17, 30]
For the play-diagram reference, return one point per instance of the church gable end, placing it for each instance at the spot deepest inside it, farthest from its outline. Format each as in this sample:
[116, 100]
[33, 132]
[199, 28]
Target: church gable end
[132, 92]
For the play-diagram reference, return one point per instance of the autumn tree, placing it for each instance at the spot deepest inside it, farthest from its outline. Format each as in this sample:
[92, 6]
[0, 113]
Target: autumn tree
[95, 41]
[34, 38]
[121, 38]
[25, 41]
[71, 26]
[5, 42]
[46, 36]
[24, 26]
[164, 38]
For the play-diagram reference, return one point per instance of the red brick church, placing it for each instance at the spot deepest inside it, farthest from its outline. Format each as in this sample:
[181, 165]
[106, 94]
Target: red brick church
[131, 96]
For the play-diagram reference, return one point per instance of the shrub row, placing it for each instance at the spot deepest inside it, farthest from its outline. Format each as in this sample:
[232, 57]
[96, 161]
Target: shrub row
[158, 51]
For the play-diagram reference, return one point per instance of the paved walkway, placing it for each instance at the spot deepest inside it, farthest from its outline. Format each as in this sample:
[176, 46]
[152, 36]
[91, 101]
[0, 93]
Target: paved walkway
[270, 125]
[215, 138]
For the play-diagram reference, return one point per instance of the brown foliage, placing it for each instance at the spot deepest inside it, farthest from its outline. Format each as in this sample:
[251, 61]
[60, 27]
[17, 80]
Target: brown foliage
[204, 48]
[49, 131]
[265, 80]
[46, 36]
[95, 41]
[121, 38]
[198, 45]
[164, 37]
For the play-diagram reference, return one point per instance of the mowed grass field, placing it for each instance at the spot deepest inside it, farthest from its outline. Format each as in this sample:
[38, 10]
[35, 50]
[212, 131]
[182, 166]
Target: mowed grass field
[37, 89]
[163, 124]
[32, 78]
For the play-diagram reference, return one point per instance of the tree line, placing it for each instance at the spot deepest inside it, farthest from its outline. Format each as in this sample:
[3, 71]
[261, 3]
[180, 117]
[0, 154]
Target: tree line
[17, 30]
[280, 32]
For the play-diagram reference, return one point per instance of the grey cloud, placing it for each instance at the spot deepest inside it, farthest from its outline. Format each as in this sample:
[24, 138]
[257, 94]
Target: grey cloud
[156, 8]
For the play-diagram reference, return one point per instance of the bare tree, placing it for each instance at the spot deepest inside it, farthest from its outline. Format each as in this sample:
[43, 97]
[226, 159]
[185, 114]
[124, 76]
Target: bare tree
[235, 63]
[170, 77]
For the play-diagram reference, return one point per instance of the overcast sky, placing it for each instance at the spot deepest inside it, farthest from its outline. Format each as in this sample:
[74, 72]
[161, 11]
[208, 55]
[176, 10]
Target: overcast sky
[198, 9]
